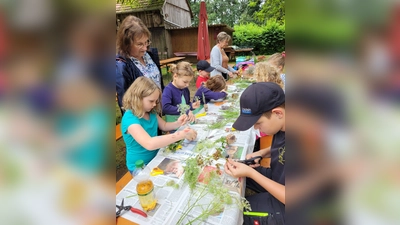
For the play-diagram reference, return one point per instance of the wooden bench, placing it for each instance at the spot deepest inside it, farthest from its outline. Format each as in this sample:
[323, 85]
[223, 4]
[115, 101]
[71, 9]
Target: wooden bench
[185, 54]
[166, 62]
[170, 60]
[118, 132]
[118, 187]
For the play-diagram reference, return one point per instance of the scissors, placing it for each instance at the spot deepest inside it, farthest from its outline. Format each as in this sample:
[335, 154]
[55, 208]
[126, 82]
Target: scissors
[127, 208]
[250, 161]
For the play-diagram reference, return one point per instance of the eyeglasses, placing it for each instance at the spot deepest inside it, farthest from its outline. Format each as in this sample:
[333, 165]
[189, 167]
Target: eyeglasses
[141, 45]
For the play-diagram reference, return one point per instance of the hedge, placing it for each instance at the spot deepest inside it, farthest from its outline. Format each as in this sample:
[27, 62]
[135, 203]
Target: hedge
[265, 40]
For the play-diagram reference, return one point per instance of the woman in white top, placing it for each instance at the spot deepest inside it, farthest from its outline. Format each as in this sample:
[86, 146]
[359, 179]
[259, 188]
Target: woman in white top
[219, 59]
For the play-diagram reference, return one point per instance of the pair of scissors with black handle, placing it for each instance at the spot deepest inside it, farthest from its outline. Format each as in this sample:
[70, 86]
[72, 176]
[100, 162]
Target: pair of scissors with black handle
[251, 161]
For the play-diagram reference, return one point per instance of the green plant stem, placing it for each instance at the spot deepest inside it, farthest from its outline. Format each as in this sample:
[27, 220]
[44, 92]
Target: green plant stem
[202, 194]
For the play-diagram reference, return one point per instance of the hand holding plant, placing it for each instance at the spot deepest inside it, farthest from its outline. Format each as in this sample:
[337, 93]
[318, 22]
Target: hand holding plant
[237, 169]
[182, 120]
[191, 117]
[196, 104]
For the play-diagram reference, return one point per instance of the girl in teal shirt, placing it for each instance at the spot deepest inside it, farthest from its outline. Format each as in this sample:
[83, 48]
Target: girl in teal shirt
[141, 120]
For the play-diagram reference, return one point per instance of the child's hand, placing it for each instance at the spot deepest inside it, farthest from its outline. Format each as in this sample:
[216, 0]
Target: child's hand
[190, 134]
[196, 104]
[183, 119]
[191, 117]
[237, 169]
[254, 154]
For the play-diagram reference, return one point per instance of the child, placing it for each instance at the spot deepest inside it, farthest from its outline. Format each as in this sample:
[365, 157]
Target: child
[204, 69]
[214, 89]
[277, 60]
[141, 120]
[265, 72]
[263, 105]
[172, 95]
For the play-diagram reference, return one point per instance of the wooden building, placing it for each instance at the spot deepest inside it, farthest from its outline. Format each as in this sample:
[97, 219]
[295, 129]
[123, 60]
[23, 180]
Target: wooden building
[184, 40]
[169, 22]
[158, 16]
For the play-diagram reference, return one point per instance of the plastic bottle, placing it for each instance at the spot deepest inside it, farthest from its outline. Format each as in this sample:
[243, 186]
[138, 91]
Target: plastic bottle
[139, 165]
[145, 187]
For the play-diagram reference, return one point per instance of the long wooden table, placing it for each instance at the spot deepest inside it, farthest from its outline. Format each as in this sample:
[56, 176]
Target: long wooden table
[232, 52]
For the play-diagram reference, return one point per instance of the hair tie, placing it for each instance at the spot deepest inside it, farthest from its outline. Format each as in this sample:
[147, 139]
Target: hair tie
[284, 54]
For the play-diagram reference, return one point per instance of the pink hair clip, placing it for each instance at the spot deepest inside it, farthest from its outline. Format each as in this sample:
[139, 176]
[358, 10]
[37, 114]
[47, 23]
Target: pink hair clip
[284, 54]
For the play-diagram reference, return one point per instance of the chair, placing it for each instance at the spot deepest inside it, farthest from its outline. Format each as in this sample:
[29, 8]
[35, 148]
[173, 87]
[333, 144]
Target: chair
[265, 142]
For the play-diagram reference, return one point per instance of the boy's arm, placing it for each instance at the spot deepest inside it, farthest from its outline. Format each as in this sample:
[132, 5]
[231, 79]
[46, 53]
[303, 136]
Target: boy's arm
[265, 153]
[214, 95]
[274, 188]
[237, 169]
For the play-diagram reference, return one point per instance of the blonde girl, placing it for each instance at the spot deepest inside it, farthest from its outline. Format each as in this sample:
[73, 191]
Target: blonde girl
[265, 72]
[141, 120]
[173, 92]
[213, 89]
[277, 60]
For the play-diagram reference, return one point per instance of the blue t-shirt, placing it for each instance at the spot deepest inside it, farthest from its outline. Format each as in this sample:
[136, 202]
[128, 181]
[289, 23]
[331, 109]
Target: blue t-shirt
[134, 151]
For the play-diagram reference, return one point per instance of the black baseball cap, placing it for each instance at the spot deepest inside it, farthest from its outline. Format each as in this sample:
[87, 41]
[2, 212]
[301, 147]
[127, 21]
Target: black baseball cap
[204, 65]
[257, 99]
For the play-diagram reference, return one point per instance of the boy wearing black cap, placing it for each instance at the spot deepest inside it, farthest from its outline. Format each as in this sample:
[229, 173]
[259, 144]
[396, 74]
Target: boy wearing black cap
[262, 105]
[204, 69]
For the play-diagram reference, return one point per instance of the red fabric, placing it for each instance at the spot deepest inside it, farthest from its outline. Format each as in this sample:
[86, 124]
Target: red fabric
[203, 42]
[200, 80]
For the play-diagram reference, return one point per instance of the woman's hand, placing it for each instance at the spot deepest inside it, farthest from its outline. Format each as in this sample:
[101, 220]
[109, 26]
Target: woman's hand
[191, 117]
[237, 169]
[230, 74]
[190, 134]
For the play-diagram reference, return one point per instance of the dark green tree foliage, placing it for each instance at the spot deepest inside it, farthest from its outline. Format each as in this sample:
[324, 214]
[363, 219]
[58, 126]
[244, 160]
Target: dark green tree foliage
[250, 9]
[271, 10]
[219, 12]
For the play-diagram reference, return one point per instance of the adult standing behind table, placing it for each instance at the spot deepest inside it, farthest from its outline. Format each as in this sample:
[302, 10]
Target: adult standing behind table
[134, 58]
[219, 59]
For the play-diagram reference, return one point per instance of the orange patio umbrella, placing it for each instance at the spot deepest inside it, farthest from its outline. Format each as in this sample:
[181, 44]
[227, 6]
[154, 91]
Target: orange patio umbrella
[203, 42]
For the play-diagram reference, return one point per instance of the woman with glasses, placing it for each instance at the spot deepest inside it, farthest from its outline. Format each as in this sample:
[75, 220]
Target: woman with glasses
[134, 57]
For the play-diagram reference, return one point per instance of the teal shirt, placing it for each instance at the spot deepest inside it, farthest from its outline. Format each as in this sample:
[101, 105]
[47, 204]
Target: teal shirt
[134, 151]
[90, 155]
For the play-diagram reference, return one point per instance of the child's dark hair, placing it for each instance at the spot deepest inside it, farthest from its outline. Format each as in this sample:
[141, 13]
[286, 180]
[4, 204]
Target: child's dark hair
[216, 83]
